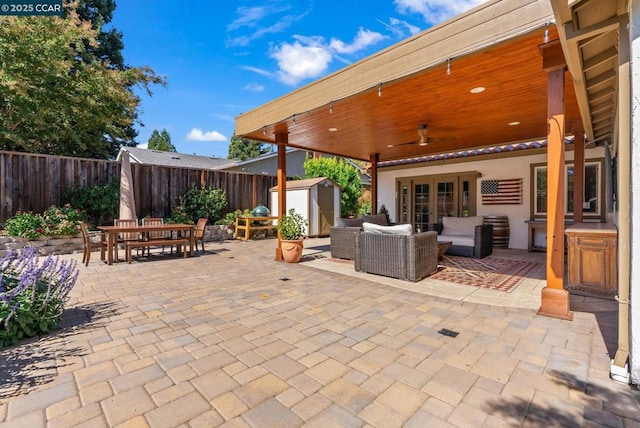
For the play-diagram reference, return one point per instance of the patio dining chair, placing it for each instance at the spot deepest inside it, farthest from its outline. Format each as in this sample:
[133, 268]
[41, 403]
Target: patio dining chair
[92, 240]
[200, 229]
[125, 236]
[153, 235]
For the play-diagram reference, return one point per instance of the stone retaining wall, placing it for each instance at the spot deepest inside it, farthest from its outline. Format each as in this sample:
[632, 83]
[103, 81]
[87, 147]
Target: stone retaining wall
[45, 245]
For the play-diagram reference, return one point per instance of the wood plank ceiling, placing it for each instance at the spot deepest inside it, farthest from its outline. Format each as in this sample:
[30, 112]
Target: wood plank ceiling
[384, 119]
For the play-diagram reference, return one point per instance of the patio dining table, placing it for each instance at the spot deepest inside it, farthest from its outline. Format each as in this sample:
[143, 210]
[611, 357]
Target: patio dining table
[113, 231]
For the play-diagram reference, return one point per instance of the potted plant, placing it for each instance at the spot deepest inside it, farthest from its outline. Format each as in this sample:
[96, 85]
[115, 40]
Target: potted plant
[291, 228]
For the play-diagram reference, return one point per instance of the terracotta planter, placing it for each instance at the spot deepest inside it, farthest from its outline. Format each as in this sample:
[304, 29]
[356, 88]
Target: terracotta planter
[291, 250]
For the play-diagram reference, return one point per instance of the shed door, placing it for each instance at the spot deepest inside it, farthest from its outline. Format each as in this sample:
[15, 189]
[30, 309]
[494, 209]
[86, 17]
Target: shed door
[325, 202]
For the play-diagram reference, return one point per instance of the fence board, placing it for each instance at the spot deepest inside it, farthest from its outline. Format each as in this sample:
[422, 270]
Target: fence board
[33, 182]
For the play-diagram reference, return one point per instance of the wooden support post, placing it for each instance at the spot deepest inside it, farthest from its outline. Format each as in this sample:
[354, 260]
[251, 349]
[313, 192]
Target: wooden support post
[555, 299]
[282, 138]
[374, 182]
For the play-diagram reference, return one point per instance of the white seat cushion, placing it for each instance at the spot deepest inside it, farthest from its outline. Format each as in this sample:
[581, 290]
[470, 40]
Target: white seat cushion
[464, 241]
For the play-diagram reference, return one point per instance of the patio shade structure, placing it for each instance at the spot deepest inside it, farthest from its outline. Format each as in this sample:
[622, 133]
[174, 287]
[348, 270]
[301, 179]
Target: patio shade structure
[492, 76]
[476, 80]
[127, 199]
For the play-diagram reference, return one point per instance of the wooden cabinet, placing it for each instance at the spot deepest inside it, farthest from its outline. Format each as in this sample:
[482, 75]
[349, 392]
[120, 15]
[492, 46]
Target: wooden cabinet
[592, 261]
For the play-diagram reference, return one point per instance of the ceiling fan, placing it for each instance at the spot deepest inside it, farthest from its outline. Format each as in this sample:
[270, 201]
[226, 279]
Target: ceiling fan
[423, 138]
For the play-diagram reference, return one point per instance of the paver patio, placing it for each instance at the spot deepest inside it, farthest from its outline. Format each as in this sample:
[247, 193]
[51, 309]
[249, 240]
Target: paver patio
[232, 338]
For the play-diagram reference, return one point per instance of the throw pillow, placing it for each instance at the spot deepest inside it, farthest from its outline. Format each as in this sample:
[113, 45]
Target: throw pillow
[398, 229]
[348, 222]
[380, 219]
[460, 225]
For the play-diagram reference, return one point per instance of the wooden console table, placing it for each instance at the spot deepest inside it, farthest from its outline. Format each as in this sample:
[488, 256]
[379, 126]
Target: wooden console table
[592, 261]
[538, 224]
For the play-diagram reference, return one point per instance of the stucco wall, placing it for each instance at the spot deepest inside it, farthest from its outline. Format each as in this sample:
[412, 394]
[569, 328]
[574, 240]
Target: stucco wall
[491, 169]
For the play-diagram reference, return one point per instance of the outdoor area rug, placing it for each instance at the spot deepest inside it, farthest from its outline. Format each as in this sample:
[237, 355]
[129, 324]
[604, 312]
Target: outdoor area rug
[491, 272]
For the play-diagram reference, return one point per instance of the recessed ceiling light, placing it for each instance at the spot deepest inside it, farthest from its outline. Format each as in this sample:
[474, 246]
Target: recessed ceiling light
[333, 129]
[389, 145]
[514, 123]
[477, 90]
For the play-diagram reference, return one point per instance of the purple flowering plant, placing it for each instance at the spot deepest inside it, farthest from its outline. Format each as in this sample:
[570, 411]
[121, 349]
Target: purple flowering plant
[32, 293]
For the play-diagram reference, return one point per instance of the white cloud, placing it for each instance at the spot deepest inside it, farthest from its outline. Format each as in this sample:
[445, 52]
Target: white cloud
[298, 62]
[254, 87]
[436, 11]
[398, 26]
[363, 39]
[309, 57]
[257, 70]
[196, 134]
[247, 17]
[257, 18]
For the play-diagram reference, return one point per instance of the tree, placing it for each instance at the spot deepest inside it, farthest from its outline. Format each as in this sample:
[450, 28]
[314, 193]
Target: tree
[343, 173]
[161, 141]
[57, 97]
[243, 149]
[110, 45]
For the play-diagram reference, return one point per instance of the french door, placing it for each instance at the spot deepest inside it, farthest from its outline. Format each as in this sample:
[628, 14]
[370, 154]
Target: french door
[424, 200]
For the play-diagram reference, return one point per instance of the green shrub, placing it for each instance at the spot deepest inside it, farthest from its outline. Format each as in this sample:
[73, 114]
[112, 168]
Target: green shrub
[292, 226]
[62, 220]
[54, 221]
[179, 215]
[204, 203]
[32, 294]
[100, 202]
[230, 218]
[26, 225]
[344, 174]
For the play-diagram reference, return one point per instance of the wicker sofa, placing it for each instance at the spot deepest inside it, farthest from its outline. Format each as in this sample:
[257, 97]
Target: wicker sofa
[411, 257]
[343, 234]
[469, 237]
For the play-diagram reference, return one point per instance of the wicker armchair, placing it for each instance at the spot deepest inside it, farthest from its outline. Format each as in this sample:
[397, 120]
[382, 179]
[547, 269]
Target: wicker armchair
[343, 242]
[342, 235]
[482, 239]
[410, 257]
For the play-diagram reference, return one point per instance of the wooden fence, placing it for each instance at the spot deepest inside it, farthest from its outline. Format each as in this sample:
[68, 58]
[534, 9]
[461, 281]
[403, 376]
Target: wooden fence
[33, 182]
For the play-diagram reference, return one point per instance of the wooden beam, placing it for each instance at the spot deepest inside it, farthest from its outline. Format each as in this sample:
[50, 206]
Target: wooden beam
[606, 55]
[554, 298]
[606, 94]
[575, 36]
[605, 78]
[281, 140]
[552, 56]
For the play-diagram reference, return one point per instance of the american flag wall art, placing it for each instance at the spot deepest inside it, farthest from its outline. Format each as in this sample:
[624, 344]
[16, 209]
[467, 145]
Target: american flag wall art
[501, 192]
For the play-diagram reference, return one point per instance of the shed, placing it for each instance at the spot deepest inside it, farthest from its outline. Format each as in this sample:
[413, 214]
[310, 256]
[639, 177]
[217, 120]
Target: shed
[316, 199]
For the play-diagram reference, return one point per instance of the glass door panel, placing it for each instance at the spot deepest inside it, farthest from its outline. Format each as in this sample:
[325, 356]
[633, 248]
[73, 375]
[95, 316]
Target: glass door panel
[446, 198]
[421, 206]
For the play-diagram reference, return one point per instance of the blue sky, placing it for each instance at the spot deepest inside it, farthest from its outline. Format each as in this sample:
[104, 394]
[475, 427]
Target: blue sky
[222, 58]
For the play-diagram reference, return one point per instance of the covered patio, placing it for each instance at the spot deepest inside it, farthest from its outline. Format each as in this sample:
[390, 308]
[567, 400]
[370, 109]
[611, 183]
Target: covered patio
[505, 72]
